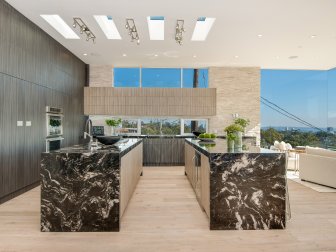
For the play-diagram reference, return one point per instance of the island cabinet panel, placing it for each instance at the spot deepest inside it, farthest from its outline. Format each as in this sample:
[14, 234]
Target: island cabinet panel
[130, 172]
[189, 166]
[205, 184]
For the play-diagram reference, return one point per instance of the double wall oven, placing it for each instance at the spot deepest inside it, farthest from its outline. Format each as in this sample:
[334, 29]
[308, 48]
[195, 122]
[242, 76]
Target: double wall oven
[54, 123]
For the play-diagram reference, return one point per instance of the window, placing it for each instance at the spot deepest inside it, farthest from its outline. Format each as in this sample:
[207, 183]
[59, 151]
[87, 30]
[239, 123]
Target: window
[161, 77]
[129, 127]
[298, 107]
[160, 126]
[188, 78]
[126, 77]
[190, 125]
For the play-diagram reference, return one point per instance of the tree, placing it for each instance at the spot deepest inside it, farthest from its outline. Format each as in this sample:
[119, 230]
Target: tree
[270, 135]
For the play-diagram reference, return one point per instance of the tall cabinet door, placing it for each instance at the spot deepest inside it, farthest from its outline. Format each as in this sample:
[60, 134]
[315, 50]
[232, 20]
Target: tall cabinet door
[22, 91]
[8, 150]
[2, 132]
[33, 135]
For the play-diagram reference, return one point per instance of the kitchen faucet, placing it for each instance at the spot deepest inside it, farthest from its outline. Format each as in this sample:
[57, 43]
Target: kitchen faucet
[88, 130]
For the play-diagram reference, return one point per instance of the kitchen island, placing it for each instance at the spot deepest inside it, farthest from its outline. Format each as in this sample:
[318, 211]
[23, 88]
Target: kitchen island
[238, 189]
[85, 188]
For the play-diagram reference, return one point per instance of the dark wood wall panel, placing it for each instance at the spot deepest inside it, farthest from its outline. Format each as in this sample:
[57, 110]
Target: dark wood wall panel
[163, 151]
[35, 71]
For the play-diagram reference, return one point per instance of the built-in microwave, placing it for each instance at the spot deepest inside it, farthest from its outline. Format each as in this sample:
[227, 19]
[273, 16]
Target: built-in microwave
[53, 143]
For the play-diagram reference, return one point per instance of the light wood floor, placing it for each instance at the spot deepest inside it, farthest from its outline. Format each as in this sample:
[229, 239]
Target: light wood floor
[163, 215]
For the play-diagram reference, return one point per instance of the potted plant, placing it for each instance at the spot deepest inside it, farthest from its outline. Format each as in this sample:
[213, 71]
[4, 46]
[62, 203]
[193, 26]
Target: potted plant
[234, 133]
[242, 122]
[113, 123]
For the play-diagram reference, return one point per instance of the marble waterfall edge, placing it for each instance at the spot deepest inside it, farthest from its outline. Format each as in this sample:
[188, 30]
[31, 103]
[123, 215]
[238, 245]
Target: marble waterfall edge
[80, 192]
[247, 191]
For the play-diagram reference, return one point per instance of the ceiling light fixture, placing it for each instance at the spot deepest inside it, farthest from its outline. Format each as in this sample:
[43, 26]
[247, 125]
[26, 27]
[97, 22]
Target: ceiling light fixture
[313, 36]
[85, 54]
[236, 56]
[260, 35]
[59, 25]
[132, 30]
[156, 55]
[179, 29]
[108, 26]
[156, 27]
[194, 56]
[124, 55]
[84, 29]
[202, 28]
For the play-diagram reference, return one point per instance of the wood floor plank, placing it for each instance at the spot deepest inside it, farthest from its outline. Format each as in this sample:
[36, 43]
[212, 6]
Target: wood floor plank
[164, 215]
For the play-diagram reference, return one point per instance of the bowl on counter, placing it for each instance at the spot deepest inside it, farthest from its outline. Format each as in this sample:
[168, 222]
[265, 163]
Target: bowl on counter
[197, 133]
[108, 140]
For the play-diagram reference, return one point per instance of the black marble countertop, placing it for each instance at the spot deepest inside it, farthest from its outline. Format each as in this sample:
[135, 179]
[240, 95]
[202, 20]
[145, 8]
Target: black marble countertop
[121, 148]
[219, 146]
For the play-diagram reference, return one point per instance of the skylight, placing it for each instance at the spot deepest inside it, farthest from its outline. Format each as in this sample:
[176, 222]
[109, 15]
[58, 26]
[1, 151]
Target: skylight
[202, 28]
[108, 26]
[156, 27]
[59, 25]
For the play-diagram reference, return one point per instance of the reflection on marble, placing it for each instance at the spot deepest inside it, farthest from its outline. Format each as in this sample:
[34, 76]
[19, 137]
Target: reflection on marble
[248, 191]
[80, 189]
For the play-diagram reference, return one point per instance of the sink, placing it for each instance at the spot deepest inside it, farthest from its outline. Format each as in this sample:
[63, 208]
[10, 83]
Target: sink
[108, 140]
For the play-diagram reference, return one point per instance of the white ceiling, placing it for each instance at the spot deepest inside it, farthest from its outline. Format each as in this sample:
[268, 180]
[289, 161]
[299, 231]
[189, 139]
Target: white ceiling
[286, 26]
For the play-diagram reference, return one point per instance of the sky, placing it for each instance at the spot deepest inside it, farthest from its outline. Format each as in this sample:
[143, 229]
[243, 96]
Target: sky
[158, 77]
[308, 94]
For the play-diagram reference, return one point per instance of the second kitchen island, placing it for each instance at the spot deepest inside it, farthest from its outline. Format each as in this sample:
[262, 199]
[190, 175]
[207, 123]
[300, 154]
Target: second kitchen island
[87, 189]
[238, 189]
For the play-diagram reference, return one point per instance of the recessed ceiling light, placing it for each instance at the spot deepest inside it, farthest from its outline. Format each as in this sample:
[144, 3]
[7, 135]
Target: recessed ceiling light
[59, 25]
[202, 28]
[194, 56]
[108, 26]
[260, 35]
[85, 54]
[277, 57]
[156, 27]
[124, 55]
[236, 56]
[313, 36]
[156, 55]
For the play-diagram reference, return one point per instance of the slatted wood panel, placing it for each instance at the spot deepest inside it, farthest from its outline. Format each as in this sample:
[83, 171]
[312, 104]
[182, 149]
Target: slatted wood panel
[35, 71]
[196, 102]
[163, 151]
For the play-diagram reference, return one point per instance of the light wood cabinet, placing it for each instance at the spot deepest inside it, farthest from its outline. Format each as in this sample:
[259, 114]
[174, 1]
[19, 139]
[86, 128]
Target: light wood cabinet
[199, 177]
[189, 153]
[130, 172]
[205, 184]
